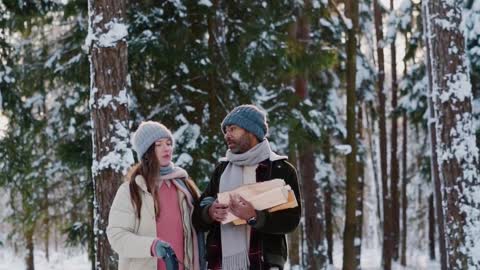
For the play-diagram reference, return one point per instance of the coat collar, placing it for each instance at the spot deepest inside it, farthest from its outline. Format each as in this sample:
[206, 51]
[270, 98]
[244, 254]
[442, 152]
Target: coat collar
[141, 182]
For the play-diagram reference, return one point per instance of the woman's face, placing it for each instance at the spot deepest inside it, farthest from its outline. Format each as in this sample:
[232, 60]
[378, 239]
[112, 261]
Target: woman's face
[163, 151]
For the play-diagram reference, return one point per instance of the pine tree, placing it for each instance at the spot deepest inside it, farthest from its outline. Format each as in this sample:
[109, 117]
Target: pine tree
[109, 113]
[387, 247]
[456, 147]
[349, 254]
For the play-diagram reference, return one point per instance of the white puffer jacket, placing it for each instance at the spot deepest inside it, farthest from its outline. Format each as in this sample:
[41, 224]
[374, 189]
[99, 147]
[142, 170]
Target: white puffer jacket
[132, 238]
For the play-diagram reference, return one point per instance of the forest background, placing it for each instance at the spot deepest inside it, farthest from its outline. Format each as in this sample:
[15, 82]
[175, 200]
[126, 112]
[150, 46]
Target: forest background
[376, 104]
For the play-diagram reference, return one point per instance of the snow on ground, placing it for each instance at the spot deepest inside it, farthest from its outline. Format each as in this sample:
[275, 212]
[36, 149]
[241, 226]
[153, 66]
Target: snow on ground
[371, 260]
[74, 259]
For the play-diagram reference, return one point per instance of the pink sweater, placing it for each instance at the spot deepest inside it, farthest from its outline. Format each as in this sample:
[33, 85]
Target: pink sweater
[169, 222]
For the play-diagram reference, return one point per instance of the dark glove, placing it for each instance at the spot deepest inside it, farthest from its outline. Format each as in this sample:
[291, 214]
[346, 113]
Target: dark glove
[164, 251]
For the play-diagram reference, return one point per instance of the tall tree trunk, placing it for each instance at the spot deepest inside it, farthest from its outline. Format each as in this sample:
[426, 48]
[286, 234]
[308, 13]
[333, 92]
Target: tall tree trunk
[91, 239]
[29, 245]
[372, 146]
[55, 237]
[316, 252]
[46, 227]
[403, 256]
[360, 185]
[456, 146]
[295, 236]
[329, 222]
[349, 255]
[387, 220]
[108, 68]
[328, 202]
[316, 257]
[431, 226]
[46, 219]
[394, 167]
[435, 172]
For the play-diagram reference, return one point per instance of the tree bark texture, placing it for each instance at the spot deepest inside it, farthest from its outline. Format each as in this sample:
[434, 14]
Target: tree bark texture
[387, 220]
[328, 202]
[360, 186]
[394, 166]
[434, 160]
[29, 245]
[295, 236]
[431, 226]
[46, 221]
[455, 140]
[349, 254]
[316, 252]
[108, 67]
[372, 144]
[316, 257]
[403, 254]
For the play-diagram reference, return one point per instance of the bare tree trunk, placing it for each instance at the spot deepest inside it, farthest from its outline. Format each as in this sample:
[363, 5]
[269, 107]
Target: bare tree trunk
[403, 256]
[91, 240]
[46, 226]
[431, 226]
[328, 203]
[29, 245]
[294, 247]
[434, 160]
[55, 237]
[456, 146]
[316, 257]
[316, 252]
[294, 237]
[372, 145]
[360, 185]
[387, 220]
[349, 255]
[329, 222]
[394, 167]
[46, 221]
[108, 68]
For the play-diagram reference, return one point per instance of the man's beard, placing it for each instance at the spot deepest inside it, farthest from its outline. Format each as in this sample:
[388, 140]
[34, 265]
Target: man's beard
[241, 145]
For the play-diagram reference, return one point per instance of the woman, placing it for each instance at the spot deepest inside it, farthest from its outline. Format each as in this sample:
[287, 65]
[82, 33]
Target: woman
[150, 224]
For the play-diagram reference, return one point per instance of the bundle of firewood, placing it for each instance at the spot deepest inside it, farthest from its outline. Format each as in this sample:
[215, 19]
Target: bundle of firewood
[273, 195]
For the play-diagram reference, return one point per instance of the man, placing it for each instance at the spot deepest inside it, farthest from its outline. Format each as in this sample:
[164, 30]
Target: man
[261, 243]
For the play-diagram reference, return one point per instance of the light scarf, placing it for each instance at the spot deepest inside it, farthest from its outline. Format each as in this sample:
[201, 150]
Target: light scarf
[236, 238]
[170, 172]
[167, 169]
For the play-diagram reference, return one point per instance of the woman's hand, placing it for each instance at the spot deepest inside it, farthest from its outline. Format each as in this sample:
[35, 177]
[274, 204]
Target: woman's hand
[164, 251]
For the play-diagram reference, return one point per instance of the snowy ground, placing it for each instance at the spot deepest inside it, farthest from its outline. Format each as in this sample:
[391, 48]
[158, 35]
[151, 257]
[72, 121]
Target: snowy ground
[371, 260]
[78, 260]
[69, 260]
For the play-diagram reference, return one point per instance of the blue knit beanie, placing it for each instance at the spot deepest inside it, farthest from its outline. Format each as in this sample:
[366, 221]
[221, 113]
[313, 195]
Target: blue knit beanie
[147, 133]
[250, 118]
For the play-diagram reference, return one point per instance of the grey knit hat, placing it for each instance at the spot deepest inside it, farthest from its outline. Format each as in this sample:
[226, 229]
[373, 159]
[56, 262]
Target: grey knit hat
[147, 133]
[248, 117]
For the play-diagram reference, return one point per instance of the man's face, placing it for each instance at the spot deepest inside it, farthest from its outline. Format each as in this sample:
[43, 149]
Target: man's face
[238, 139]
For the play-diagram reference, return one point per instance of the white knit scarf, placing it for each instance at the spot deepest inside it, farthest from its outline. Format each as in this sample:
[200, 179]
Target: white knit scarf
[236, 239]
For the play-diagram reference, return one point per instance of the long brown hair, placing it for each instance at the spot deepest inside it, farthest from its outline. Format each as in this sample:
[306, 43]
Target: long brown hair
[149, 168]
